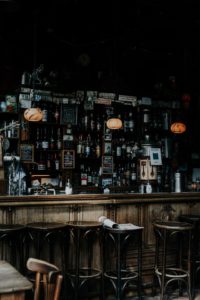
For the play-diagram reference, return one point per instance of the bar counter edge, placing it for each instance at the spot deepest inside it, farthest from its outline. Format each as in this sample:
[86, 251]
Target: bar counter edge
[98, 199]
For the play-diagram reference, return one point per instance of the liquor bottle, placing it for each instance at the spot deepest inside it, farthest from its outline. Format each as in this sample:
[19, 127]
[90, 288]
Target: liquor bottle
[57, 162]
[85, 121]
[52, 140]
[24, 132]
[119, 149]
[45, 142]
[84, 179]
[98, 148]
[41, 165]
[79, 145]
[49, 160]
[92, 122]
[130, 122]
[88, 146]
[133, 173]
[44, 113]
[57, 115]
[126, 123]
[58, 142]
[98, 124]
[89, 176]
[38, 143]
[68, 187]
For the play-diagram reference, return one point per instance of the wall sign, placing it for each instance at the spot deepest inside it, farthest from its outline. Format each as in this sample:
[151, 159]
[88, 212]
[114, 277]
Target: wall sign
[27, 153]
[69, 114]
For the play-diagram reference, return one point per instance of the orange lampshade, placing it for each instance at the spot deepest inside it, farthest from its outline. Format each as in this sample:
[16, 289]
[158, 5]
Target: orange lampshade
[33, 114]
[178, 127]
[114, 123]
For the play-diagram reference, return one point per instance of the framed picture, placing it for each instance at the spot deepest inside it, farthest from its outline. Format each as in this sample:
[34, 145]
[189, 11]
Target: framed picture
[107, 148]
[107, 164]
[155, 157]
[27, 153]
[68, 159]
[69, 114]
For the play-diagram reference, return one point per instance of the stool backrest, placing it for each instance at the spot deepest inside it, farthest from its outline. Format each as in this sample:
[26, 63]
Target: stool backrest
[48, 279]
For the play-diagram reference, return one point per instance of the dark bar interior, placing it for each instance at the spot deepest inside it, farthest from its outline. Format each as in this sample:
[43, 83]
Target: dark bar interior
[99, 150]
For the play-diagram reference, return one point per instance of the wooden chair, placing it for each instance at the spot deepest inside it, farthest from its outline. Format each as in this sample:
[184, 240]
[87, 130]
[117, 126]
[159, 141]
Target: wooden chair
[48, 279]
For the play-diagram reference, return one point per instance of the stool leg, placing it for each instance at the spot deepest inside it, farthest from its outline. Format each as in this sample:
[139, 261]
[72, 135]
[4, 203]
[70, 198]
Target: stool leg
[119, 288]
[163, 265]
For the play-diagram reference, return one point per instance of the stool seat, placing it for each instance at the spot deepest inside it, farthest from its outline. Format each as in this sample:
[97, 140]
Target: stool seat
[173, 225]
[45, 226]
[83, 266]
[122, 274]
[173, 254]
[6, 228]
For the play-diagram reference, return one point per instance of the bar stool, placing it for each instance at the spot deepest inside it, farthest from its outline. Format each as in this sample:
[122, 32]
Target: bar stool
[123, 275]
[43, 237]
[84, 257]
[195, 221]
[11, 243]
[173, 243]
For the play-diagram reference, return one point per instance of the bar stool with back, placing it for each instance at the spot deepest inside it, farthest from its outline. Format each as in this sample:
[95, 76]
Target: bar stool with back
[84, 272]
[48, 279]
[173, 256]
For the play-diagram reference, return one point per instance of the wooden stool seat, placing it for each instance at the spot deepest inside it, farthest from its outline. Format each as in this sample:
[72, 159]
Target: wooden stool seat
[173, 254]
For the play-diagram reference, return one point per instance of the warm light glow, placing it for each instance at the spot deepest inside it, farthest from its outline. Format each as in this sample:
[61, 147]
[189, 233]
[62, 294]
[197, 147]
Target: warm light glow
[178, 127]
[33, 114]
[114, 123]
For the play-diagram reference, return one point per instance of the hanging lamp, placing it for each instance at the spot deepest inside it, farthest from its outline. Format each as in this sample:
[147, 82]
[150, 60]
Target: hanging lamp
[178, 127]
[114, 123]
[34, 114]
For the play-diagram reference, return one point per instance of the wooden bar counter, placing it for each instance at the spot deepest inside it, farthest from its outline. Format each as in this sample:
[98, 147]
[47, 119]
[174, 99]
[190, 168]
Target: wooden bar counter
[140, 209]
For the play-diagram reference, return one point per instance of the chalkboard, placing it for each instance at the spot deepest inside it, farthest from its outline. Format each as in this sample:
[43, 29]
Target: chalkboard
[27, 153]
[69, 114]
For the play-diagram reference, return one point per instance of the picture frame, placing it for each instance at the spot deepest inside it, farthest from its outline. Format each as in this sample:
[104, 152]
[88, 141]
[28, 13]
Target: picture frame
[26, 153]
[107, 164]
[69, 114]
[107, 148]
[68, 159]
[155, 157]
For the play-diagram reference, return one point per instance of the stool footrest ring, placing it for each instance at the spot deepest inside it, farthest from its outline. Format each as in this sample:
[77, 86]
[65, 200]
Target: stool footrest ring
[173, 272]
[84, 273]
[125, 275]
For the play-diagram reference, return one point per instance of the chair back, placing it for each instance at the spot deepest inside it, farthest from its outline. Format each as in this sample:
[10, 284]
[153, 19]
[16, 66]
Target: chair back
[48, 279]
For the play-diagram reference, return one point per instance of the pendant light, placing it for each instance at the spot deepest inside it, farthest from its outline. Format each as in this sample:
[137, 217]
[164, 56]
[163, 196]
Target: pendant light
[34, 114]
[114, 123]
[178, 127]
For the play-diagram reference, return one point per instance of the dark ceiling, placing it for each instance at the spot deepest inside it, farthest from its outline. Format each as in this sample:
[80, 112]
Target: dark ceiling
[102, 44]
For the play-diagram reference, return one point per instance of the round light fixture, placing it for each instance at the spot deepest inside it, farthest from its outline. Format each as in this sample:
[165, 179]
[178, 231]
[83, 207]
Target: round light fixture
[33, 114]
[178, 127]
[114, 123]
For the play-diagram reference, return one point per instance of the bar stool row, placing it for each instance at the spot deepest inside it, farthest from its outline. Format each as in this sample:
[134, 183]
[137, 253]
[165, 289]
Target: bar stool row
[79, 241]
